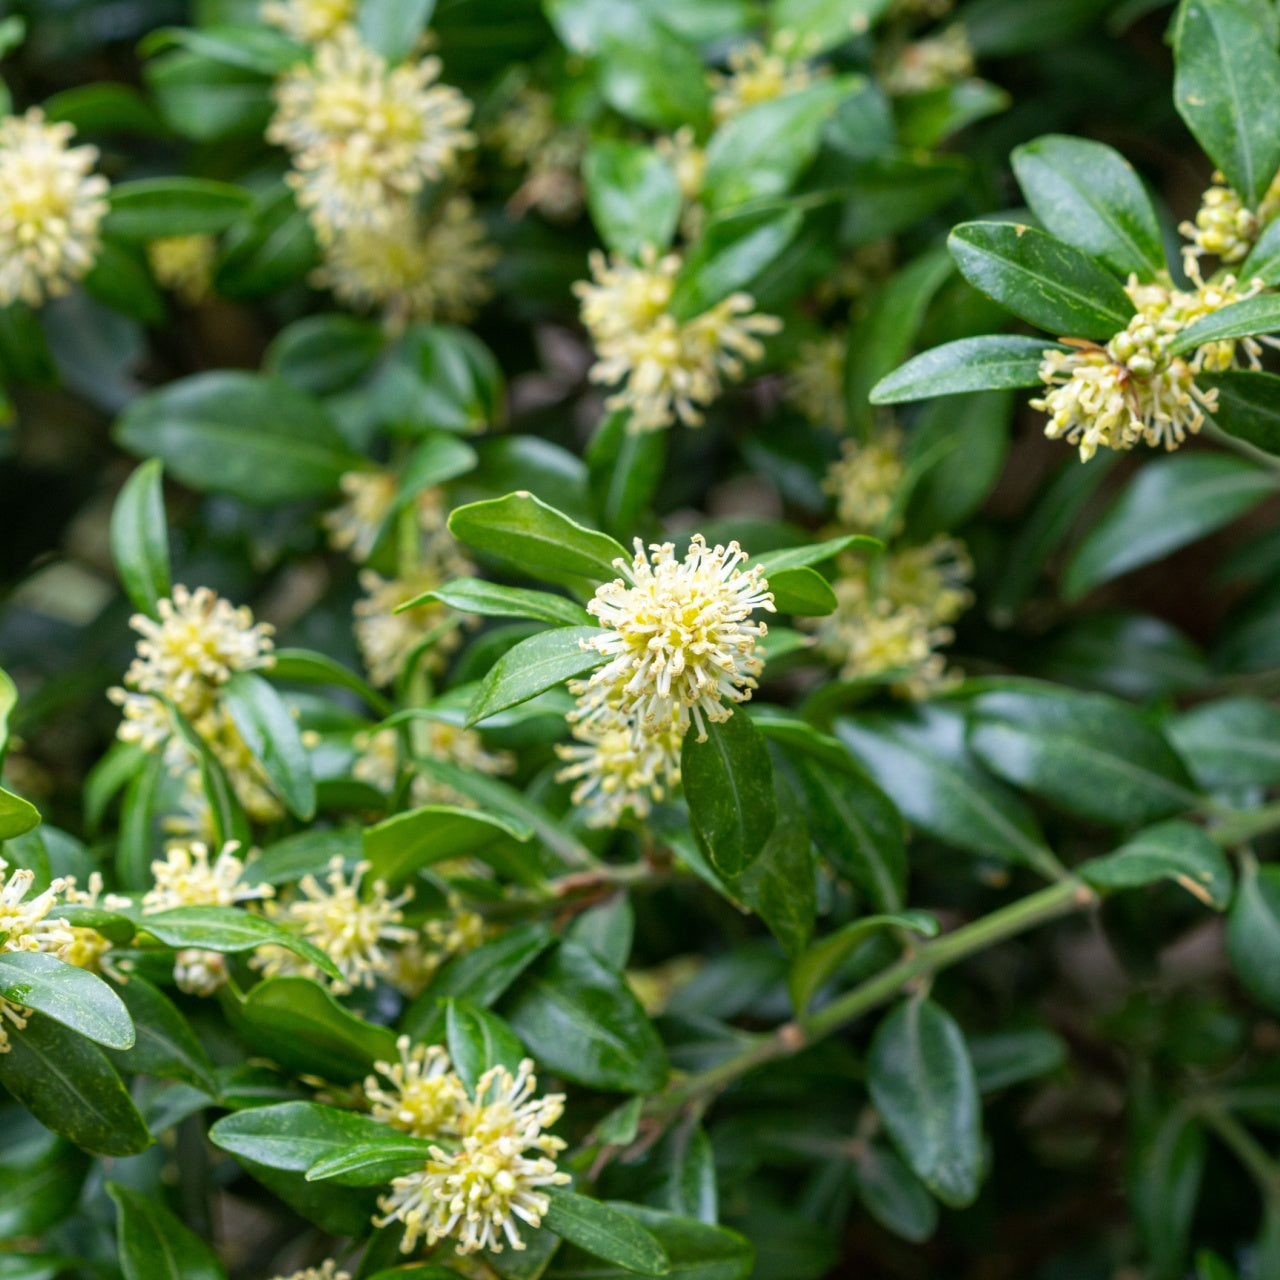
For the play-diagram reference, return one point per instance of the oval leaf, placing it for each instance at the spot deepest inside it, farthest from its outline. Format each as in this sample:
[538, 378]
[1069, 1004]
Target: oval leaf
[994, 361]
[271, 734]
[74, 997]
[534, 665]
[155, 1245]
[1174, 851]
[604, 1232]
[154, 208]
[140, 537]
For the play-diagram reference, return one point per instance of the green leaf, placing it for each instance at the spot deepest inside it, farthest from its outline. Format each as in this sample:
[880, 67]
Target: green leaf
[1005, 1058]
[1263, 262]
[1170, 503]
[307, 667]
[438, 458]
[154, 208]
[268, 250]
[579, 1019]
[1041, 279]
[923, 765]
[815, 553]
[759, 152]
[255, 438]
[823, 24]
[17, 816]
[650, 75]
[607, 929]
[534, 665]
[325, 354]
[779, 884]
[259, 49]
[735, 248]
[295, 1136]
[165, 1046]
[67, 1083]
[204, 99]
[633, 196]
[886, 331]
[301, 1026]
[968, 364]
[894, 1196]
[1242, 319]
[820, 961]
[229, 930]
[155, 1245]
[140, 537]
[1088, 753]
[922, 1083]
[802, 592]
[1087, 194]
[626, 469]
[1253, 932]
[931, 117]
[728, 783]
[1166, 1167]
[441, 378]
[604, 1232]
[73, 997]
[490, 600]
[481, 977]
[394, 27]
[1227, 89]
[271, 734]
[121, 279]
[527, 532]
[1174, 851]
[1248, 405]
[373, 1164]
[401, 846]
[8, 700]
[479, 1040]
[1230, 742]
[105, 108]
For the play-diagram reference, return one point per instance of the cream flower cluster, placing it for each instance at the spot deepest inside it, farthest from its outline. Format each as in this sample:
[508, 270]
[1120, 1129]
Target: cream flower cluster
[51, 206]
[368, 140]
[327, 1270]
[1224, 226]
[25, 926]
[378, 761]
[930, 64]
[759, 73]
[528, 137]
[680, 650]
[195, 646]
[308, 20]
[354, 926]
[815, 381]
[866, 480]
[1132, 389]
[184, 265]
[480, 1192]
[669, 370]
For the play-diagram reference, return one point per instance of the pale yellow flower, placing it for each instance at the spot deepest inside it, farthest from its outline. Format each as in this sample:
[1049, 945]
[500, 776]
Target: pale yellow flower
[88, 948]
[184, 265]
[432, 270]
[759, 74]
[419, 1094]
[815, 381]
[480, 1193]
[388, 639]
[678, 638]
[51, 207]
[528, 136]
[866, 481]
[353, 928]
[309, 21]
[186, 877]
[931, 64]
[25, 926]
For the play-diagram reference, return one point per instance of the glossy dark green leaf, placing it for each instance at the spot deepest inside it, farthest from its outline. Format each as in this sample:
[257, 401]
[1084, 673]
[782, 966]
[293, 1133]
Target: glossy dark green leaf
[480, 977]
[1227, 89]
[478, 1040]
[604, 1232]
[442, 378]
[203, 98]
[802, 592]
[1253, 932]
[1166, 1167]
[821, 960]
[1170, 503]
[735, 249]
[1176, 851]
[69, 1086]
[153, 208]
[1040, 278]
[438, 458]
[308, 667]
[931, 117]
[579, 1019]
[324, 354]
[229, 930]
[17, 815]
[394, 27]
[402, 845]
[529, 668]
[1230, 742]
[607, 929]
[140, 537]
[633, 196]
[815, 553]
[759, 152]
[270, 249]
[779, 884]
[1004, 1058]
[298, 1024]
[259, 49]
[894, 1196]
[526, 531]
[1248, 405]
[155, 1245]
[1087, 194]
[922, 1083]
[271, 734]
[165, 1045]
[491, 600]
[121, 279]
[41, 1177]
[253, 437]
[73, 997]
[650, 75]
[728, 783]
[1237, 320]
[105, 108]
[1088, 753]
[1263, 262]
[294, 1136]
[373, 1164]
[824, 23]
[923, 765]
[992, 361]
[626, 469]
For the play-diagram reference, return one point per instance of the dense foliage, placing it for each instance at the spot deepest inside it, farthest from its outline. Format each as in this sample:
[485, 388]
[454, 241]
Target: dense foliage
[639, 637]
